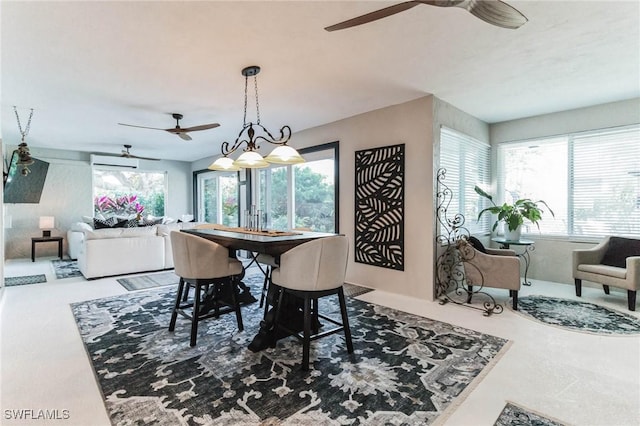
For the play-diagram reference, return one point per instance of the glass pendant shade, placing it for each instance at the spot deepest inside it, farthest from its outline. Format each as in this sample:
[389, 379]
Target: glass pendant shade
[224, 164]
[251, 160]
[284, 154]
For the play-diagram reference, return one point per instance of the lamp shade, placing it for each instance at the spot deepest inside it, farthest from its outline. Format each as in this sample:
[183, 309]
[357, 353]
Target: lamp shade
[251, 160]
[284, 154]
[224, 164]
[47, 222]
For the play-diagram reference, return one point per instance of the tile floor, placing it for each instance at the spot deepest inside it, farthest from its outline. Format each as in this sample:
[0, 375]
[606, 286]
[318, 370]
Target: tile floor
[578, 378]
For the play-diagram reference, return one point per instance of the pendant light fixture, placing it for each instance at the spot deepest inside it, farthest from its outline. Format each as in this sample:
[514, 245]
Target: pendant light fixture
[251, 134]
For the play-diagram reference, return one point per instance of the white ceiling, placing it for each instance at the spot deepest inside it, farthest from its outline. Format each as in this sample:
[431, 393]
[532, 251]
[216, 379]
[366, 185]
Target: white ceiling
[86, 66]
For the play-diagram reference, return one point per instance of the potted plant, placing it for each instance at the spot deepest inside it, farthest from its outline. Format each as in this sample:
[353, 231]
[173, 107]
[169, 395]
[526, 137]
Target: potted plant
[513, 215]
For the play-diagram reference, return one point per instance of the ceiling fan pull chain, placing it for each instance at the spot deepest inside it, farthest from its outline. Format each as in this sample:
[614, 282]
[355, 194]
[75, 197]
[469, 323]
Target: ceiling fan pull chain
[26, 130]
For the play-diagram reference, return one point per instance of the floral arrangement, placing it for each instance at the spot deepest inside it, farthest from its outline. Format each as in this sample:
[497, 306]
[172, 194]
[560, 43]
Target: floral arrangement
[125, 205]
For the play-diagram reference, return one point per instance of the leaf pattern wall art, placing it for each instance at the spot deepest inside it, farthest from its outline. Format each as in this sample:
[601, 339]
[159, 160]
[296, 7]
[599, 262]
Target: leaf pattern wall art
[379, 207]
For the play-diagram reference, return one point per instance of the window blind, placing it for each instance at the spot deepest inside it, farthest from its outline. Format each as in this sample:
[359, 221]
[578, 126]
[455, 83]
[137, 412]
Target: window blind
[591, 180]
[468, 163]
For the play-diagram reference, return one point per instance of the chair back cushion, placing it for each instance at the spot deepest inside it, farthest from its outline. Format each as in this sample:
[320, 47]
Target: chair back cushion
[317, 265]
[197, 257]
[619, 249]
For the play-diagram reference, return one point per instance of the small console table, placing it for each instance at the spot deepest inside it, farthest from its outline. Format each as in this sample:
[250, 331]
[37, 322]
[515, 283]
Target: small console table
[35, 240]
[528, 245]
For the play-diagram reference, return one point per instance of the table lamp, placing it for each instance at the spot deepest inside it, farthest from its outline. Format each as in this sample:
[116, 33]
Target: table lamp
[47, 224]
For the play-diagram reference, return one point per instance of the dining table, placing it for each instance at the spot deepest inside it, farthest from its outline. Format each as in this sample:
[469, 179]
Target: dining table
[269, 242]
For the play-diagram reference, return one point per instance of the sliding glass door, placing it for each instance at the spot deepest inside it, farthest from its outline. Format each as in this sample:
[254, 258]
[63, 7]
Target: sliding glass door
[217, 198]
[304, 195]
[300, 196]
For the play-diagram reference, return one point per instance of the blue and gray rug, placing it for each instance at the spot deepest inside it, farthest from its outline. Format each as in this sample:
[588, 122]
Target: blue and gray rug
[406, 369]
[514, 415]
[66, 268]
[25, 280]
[578, 316]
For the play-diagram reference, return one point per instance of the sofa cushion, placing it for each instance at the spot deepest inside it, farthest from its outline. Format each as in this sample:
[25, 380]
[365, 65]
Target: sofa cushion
[80, 227]
[145, 231]
[619, 249]
[610, 271]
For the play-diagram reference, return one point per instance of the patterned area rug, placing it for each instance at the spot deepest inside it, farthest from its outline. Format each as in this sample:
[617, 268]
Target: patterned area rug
[578, 316]
[149, 281]
[405, 370]
[514, 415]
[353, 290]
[66, 268]
[24, 280]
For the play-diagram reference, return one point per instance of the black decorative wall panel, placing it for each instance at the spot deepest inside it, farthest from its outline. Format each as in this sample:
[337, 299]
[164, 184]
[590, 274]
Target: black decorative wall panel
[379, 207]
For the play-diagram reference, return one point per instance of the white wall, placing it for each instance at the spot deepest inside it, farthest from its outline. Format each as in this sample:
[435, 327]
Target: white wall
[67, 195]
[551, 259]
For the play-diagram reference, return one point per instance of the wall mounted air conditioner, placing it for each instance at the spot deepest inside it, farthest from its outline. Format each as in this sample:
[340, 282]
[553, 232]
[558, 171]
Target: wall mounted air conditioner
[107, 160]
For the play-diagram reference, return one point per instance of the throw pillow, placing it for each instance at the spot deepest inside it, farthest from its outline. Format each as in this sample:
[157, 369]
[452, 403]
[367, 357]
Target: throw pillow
[477, 244]
[619, 249]
[104, 223]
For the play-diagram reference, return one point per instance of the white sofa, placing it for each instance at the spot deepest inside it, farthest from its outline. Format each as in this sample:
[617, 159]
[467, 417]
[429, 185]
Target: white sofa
[117, 251]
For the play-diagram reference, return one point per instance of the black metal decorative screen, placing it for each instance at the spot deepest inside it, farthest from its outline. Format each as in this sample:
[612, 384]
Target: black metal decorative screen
[379, 207]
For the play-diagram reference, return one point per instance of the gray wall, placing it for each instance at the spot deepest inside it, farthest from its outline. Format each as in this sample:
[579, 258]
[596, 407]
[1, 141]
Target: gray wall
[551, 260]
[67, 195]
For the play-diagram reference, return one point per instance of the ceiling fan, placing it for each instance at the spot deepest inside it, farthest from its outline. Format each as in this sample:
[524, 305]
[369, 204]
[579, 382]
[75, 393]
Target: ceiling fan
[494, 12]
[180, 131]
[127, 154]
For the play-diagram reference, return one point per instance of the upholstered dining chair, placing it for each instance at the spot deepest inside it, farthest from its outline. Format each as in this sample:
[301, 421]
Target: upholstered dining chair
[207, 267]
[270, 262]
[311, 271]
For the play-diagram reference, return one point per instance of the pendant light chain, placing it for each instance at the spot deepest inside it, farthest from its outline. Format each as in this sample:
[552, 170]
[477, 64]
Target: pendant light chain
[255, 83]
[24, 132]
[246, 82]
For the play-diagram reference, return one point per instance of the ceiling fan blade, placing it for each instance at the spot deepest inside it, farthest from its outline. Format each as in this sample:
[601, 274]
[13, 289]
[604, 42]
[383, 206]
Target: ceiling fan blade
[373, 16]
[201, 127]
[184, 136]
[496, 13]
[142, 127]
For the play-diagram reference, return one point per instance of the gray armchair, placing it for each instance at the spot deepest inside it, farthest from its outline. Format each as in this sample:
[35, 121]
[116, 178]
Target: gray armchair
[495, 268]
[614, 262]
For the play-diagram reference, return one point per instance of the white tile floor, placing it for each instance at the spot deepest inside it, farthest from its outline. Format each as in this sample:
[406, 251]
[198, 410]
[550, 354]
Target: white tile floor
[578, 378]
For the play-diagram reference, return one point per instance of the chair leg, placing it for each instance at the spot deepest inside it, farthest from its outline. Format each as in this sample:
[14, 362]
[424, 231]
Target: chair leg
[176, 306]
[315, 321]
[631, 298]
[345, 320]
[605, 288]
[265, 286]
[514, 297]
[469, 293]
[186, 292]
[195, 316]
[236, 304]
[578, 287]
[277, 315]
[306, 341]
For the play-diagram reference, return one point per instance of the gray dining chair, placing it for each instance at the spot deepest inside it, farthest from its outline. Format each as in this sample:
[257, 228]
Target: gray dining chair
[205, 266]
[311, 271]
[270, 263]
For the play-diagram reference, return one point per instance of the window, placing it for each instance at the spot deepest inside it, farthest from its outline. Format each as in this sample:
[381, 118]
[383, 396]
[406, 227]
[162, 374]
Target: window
[303, 195]
[468, 163]
[149, 187]
[591, 180]
[217, 197]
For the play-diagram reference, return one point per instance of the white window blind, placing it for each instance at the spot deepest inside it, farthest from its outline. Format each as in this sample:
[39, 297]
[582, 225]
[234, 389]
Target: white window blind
[468, 163]
[605, 172]
[591, 180]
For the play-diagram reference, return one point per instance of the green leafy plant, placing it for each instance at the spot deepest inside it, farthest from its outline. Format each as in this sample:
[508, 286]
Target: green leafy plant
[514, 214]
